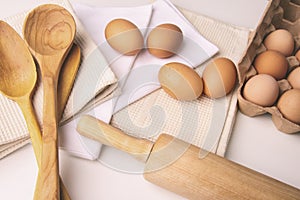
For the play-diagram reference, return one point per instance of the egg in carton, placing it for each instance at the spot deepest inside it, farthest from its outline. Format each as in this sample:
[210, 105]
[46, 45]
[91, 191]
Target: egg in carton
[283, 14]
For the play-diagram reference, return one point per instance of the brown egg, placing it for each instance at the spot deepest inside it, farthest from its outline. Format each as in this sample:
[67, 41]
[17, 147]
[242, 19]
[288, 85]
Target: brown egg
[289, 105]
[124, 36]
[164, 40]
[262, 90]
[280, 40]
[272, 63]
[180, 81]
[219, 77]
[294, 78]
[297, 55]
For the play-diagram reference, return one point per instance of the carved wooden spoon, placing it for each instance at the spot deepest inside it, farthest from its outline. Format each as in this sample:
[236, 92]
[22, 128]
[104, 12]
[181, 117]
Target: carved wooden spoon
[49, 31]
[18, 78]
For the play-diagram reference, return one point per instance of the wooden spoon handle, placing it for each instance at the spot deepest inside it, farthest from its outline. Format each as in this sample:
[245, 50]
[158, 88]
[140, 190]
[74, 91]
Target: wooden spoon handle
[36, 136]
[66, 80]
[32, 126]
[49, 158]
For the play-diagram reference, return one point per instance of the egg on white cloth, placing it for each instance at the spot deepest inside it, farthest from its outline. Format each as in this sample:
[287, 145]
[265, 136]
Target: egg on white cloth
[180, 81]
[124, 36]
[164, 40]
[219, 77]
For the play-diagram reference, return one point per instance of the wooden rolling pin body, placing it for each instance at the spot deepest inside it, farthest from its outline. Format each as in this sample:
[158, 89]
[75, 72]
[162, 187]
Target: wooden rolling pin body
[175, 165]
[212, 177]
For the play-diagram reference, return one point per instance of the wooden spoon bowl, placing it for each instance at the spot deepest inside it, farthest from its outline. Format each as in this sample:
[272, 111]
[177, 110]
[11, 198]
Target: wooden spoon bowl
[49, 29]
[17, 76]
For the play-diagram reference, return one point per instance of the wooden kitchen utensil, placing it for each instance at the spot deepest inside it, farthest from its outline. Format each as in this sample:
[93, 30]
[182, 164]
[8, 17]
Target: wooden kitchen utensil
[49, 31]
[15, 47]
[18, 79]
[67, 77]
[175, 165]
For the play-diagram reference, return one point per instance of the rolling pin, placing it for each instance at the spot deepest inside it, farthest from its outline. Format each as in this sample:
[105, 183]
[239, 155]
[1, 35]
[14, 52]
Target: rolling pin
[175, 165]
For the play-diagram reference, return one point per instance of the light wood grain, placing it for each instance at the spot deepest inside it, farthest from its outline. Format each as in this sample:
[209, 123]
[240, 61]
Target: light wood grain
[175, 165]
[95, 129]
[66, 81]
[49, 159]
[212, 177]
[21, 90]
[49, 31]
[18, 78]
[67, 77]
[65, 84]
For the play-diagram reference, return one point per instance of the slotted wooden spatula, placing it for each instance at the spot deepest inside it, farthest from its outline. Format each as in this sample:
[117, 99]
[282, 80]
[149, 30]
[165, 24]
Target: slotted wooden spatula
[175, 165]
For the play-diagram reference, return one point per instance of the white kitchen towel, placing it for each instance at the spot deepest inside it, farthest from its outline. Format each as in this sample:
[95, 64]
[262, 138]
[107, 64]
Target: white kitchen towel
[137, 75]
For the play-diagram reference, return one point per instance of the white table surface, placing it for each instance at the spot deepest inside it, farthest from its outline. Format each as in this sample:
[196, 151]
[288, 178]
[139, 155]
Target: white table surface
[255, 142]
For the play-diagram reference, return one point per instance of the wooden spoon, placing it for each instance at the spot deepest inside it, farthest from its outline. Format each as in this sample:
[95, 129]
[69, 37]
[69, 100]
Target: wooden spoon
[18, 77]
[49, 31]
[21, 89]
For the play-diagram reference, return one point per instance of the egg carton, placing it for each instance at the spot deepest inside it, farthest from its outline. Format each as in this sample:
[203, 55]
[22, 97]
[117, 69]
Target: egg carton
[279, 14]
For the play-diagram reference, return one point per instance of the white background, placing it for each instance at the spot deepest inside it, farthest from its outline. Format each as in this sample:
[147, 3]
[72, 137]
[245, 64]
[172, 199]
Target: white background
[255, 142]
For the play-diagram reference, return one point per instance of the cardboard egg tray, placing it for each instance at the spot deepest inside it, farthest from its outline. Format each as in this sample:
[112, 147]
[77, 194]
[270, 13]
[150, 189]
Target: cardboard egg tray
[279, 14]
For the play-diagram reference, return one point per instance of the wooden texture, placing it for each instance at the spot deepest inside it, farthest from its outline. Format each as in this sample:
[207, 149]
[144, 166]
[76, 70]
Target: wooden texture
[67, 77]
[212, 177]
[175, 165]
[15, 87]
[49, 31]
[65, 84]
[18, 78]
[108, 135]
[49, 161]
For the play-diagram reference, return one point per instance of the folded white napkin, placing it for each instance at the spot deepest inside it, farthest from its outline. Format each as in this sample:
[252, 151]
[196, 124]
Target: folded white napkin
[137, 75]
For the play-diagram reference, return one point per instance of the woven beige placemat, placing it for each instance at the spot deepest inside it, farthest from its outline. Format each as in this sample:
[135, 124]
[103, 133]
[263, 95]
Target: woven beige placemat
[194, 121]
[94, 82]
